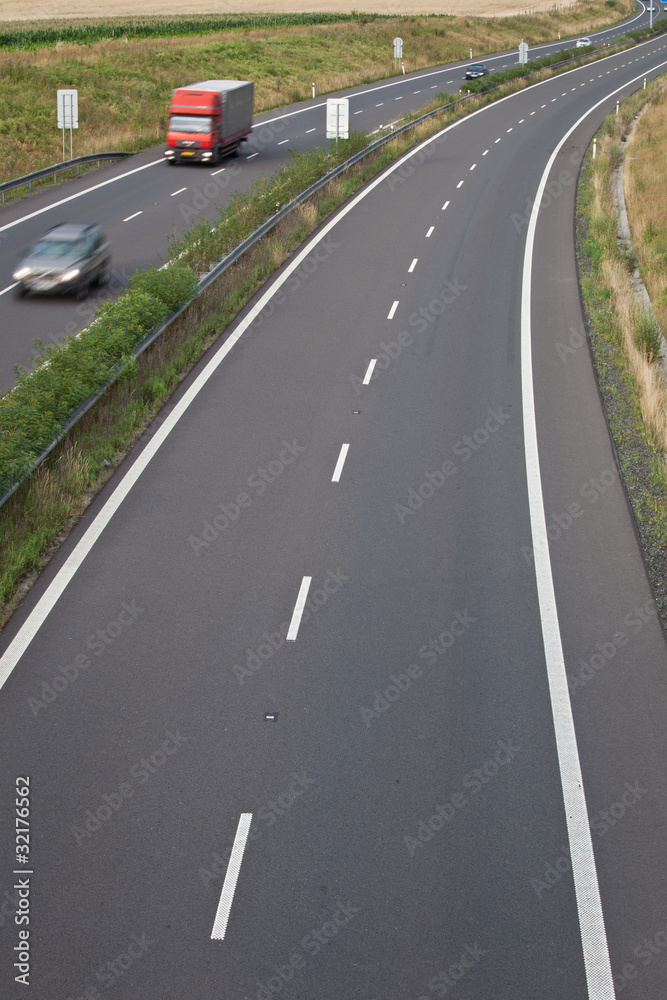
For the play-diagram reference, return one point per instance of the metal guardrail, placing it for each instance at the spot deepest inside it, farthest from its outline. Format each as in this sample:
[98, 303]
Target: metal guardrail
[234, 255]
[57, 168]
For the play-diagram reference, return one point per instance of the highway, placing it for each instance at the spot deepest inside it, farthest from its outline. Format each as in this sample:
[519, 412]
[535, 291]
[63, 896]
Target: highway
[141, 202]
[350, 683]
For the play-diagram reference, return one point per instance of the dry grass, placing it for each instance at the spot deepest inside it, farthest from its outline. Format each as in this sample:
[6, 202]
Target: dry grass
[124, 86]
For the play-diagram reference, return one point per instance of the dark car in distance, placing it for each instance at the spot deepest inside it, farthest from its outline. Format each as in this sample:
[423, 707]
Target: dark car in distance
[68, 258]
[476, 70]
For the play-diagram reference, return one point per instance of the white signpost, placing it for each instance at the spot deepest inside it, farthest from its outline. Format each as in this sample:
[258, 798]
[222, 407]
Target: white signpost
[68, 114]
[338, 118]
[398, 50]
[523, 54]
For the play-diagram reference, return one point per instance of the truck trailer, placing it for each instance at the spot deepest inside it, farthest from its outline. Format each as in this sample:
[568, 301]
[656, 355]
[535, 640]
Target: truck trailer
[209, 120]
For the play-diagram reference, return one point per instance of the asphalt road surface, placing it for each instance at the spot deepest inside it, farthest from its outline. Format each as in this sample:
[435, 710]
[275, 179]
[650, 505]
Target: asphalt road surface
[142, 201]
[350, 683]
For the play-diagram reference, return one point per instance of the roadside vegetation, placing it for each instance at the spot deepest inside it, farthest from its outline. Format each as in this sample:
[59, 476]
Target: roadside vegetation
[38, 515]
[125, 83]
[625, 337]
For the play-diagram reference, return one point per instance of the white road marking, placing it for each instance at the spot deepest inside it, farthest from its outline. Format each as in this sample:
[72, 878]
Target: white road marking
[390, 314]
[77, 556]
[180, 191]
[497, 140]
[416, 91]
[282, 142]
[430, 231]
[298, 609]
[9, 288]
[308, 130]
[220, 171]
[543, 105]
[533, 112]
[444, 206]
[485, 152]
[369, 371]
[589, 905]
[460, 184]
[359, 112]
[341, 460]
[231, 878]
[380, 105]
[473, 166]
[510, 129]
[133, 216]
[413, 265]
[71, 197]
[250, 156]
[434, 86]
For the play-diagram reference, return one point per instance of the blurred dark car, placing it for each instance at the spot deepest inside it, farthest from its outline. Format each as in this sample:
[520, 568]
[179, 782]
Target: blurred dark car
[67, 258]
[475, 71]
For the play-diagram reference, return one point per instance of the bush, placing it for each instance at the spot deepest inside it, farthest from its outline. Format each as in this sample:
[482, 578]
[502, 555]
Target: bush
[646, 335]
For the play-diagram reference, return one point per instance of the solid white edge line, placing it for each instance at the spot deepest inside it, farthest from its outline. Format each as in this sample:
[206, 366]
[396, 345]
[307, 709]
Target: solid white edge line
[390, 314]
[51, 595]
[369, 371]
[293, 630]
[340, 463]
[231, 878]
[80, 194]
[587, 891]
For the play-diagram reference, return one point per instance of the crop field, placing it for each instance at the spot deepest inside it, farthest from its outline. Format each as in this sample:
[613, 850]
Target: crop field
[125, 83]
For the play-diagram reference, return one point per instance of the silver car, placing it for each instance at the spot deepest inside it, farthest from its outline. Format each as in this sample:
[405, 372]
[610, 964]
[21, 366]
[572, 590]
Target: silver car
[68, 258]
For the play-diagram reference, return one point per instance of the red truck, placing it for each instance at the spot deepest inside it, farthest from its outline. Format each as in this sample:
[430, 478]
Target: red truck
[208, 120]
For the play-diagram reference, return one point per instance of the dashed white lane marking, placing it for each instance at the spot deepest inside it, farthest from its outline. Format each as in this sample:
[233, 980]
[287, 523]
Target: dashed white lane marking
[431, 228]
[250, 156]
[485, 152]
[297, 614]
[416, 91]
[359, 112]
[9, 288]
[390, 314]
[533, 112]
[220, 171]
[343, 453]
[399, 98]
[130, 217]
[282, 142]
[413, 265]
[473, 166]
[521, 121]
[444, 206]
[369, 371]
[231, 878]
[180, 191]
[510, 129]
[543, 105]
[80, 194]
[497, 140]
[460, 184]
[380, 105]
[433, 86]
[310, 130]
